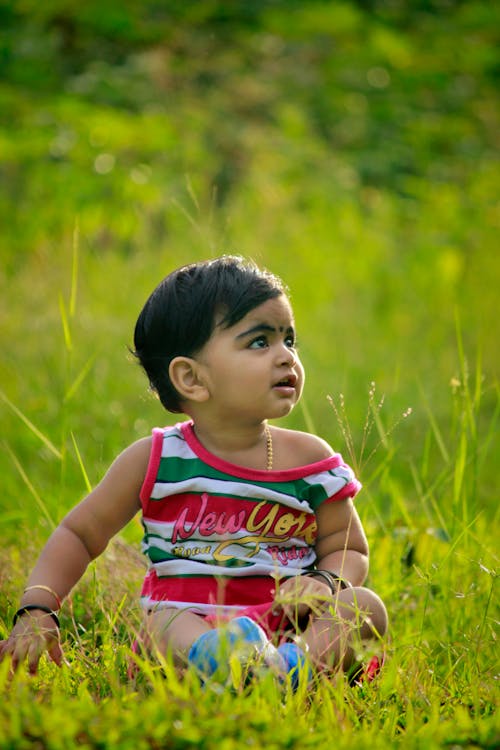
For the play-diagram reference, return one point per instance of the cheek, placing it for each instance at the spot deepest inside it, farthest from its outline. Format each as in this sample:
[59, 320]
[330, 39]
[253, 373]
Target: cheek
[302, 378]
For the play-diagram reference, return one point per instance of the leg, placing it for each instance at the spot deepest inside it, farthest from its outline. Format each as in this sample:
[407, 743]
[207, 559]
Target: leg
[357, 614]
[208, 647]
[173, 630]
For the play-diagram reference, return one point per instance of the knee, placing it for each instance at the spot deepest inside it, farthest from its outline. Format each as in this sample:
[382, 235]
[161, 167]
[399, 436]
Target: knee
[368, 609]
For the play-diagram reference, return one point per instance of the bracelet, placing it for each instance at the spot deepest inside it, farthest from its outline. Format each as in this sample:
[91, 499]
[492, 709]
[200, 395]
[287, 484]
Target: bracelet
[332, 579]
[45, 588]
[30, 607]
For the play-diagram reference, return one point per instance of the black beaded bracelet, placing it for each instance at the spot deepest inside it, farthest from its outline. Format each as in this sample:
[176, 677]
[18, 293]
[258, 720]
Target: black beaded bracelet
[30, 607]
[332, 579]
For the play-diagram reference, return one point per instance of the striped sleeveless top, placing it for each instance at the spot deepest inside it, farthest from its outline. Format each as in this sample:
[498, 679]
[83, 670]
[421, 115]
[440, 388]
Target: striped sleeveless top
[218, 535]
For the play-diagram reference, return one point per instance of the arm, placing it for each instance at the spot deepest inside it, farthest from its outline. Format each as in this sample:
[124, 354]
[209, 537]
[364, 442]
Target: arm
[81, 536]
[341, 548]
[341, 545]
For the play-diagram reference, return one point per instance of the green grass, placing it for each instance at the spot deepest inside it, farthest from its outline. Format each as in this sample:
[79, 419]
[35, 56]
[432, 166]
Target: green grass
[351, 148]
[434, 562]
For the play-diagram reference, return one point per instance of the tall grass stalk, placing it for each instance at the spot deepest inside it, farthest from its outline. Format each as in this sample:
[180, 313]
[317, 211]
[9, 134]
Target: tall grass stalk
[33, 428]
[29, 485]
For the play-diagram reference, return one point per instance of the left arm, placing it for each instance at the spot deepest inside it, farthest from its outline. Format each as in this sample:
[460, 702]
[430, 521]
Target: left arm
[341, 549]
[341, 545]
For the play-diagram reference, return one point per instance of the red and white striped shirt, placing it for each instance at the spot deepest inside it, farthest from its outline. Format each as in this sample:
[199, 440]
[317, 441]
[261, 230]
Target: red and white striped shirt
[218, 535]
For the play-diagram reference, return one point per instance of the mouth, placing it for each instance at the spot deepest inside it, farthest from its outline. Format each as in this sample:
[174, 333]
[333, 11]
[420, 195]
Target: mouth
[289, 381]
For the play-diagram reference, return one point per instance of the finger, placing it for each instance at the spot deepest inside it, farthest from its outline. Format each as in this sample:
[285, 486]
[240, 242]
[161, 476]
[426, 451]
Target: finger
[18, 654]
[291, 611]
[290, 585]
[287, 612]
[56, 653]
[6, 649]
[33, 655]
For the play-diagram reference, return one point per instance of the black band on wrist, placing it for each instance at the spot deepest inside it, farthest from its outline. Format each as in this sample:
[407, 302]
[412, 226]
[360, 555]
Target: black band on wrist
[31, 607]
[332, 579]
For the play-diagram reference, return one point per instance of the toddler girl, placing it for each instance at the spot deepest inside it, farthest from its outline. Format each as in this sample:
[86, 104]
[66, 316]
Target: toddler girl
[255, 548]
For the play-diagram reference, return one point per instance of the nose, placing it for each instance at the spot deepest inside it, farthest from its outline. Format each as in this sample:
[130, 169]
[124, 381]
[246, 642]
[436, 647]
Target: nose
[286, 356]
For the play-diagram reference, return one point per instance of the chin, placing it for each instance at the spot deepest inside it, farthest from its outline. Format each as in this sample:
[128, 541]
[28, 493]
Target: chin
[284, 411]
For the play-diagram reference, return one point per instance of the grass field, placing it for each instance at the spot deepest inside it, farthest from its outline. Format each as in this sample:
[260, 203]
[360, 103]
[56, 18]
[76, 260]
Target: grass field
[350, 147]
[429, 504]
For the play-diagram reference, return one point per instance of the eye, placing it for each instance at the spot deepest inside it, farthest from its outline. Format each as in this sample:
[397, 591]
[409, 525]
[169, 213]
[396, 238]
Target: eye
[259, 342]
[290, 341]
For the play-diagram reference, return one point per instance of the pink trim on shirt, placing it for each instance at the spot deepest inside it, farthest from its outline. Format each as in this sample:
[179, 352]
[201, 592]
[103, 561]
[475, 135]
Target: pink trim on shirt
[326, 464]
[349, 490]
[154, 462]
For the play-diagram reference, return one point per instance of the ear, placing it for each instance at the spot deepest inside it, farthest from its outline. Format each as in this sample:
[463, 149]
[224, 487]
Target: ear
[185, 377]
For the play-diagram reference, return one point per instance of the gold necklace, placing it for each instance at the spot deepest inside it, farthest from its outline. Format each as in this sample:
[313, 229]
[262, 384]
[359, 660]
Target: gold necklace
[269, 447]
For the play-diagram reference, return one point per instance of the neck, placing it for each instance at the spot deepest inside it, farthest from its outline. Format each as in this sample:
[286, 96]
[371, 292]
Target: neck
[250, 446]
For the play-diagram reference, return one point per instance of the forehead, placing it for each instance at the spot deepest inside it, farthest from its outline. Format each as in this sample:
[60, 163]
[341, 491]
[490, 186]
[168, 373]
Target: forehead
[277, 311]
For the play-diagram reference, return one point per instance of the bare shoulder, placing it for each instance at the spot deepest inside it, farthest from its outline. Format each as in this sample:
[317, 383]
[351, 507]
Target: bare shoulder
[113, 502]
[138, 450]
[295, 448]
[126, 474]
[134, 459]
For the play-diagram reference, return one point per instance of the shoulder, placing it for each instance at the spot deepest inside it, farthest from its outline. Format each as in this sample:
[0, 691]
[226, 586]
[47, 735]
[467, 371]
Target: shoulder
[137, 451]
[133, 461]
[112, 502]
[299, 448]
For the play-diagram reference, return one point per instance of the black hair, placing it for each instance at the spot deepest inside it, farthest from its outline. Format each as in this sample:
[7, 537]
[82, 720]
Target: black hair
[181, 314]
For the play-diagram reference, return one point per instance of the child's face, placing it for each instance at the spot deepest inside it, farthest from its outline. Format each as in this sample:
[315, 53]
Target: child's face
[252, 369]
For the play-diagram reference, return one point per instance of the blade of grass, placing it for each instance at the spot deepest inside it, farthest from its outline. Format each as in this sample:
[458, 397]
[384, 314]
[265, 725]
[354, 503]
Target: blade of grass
[482, 626]
[434, 425]
[479, 380]
[307, 416]
[459, 492]
[28, 484]
[464, 532]
[464, 376]
[44, 439]
[345, 428]
[382, 432]
[65, 324]
[367, 427]
[397, 497]
[191, 192]
[428, 495]
[81, 464]
[74, 270]
[80, 378]
[492, 430]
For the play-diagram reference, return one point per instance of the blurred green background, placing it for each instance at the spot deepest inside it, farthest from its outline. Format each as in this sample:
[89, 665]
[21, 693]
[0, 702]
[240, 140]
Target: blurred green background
[349, 146]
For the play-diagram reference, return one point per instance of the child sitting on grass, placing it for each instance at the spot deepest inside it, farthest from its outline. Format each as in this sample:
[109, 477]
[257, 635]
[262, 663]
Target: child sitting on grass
[253, 541]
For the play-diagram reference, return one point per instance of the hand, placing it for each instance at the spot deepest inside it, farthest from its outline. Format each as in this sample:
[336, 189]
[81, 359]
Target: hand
[33, 633]
[299, 595]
